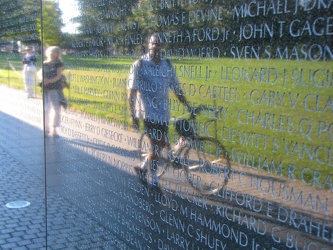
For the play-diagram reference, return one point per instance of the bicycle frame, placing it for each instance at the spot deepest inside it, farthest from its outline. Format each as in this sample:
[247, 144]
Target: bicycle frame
[184, 127]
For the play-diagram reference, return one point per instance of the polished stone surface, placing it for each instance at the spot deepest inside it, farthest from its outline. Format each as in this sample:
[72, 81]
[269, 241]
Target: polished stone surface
[95, 202]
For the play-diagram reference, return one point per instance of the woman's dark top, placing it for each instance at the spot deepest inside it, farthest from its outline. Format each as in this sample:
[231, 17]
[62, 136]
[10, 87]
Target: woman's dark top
[50, 71]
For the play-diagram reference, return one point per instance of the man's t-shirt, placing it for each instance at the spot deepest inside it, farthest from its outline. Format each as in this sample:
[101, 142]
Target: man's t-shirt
[153, 83]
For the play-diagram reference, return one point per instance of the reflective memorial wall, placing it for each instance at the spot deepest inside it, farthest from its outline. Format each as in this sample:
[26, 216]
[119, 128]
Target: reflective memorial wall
[246, 162]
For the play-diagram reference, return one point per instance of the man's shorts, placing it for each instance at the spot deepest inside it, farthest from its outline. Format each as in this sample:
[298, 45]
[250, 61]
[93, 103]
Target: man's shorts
[156, 132]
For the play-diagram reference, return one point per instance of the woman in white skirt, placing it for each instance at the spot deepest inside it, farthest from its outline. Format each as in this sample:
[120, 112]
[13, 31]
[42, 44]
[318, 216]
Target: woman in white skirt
[29, 71]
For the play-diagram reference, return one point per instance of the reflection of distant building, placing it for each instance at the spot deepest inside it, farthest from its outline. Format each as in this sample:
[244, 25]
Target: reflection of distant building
[10, 46]
[17, 47]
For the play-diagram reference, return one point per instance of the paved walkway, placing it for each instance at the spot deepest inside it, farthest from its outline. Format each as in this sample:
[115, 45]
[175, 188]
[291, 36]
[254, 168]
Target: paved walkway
[95, 201]
[22, 179]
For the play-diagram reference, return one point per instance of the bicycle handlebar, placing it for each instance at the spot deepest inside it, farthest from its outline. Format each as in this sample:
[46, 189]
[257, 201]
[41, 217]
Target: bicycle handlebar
[198, 109]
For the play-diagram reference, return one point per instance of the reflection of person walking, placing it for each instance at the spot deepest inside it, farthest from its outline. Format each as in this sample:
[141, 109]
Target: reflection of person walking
[150, 81]
[53, 95]
[29, 71]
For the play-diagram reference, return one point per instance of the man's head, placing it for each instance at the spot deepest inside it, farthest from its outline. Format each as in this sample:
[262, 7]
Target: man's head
[28, 49]
[154, 47]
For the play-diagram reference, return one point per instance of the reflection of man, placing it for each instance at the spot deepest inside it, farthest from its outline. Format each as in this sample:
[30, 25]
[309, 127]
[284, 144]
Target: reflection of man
[150, 81]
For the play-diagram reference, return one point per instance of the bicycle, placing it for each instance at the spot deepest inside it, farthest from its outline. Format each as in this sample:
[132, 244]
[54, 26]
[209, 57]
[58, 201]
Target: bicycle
[200, 160]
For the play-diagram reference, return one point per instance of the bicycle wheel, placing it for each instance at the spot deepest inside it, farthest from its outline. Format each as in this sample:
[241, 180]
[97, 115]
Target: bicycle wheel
[207, 164]
[145, 147]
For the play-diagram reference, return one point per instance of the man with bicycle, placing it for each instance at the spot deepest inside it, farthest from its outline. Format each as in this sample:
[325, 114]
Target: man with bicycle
[151, 79]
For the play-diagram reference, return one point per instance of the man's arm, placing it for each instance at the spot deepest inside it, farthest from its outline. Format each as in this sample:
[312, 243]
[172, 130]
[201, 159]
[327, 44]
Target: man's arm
[181, 97]
[132, 99]
[132, 95]
[177, 90]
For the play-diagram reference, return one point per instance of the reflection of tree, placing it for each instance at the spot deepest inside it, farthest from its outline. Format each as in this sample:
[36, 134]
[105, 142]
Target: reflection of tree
[107, 27]
[270, 26]
[22, 21]
[19, 21]
[294, 23]
[51, 23]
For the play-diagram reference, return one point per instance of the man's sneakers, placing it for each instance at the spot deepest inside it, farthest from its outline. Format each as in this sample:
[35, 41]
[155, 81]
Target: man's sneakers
[142, 173]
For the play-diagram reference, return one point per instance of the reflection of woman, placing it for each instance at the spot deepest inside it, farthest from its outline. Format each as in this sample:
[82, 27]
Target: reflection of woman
[52, 72]
[29, 71]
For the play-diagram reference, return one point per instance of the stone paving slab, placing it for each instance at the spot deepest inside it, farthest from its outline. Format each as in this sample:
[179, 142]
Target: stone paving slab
[25, 228]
